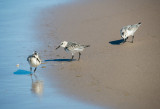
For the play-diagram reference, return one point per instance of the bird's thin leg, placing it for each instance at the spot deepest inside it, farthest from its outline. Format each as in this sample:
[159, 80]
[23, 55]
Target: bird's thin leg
[126, 38]
[124, 41]
[72, 56]
[30, 69]
[35, 76]
[132, 39]
[79, 56]
[31, 78]
[35, 69]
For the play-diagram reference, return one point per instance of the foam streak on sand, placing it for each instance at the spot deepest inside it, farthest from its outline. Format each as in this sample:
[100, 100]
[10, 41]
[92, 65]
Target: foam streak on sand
[121, 76]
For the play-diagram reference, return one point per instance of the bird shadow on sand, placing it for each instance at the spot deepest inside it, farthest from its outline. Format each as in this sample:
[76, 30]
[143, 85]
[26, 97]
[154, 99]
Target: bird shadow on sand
[22, 72]
[116, 42]
[61, 60]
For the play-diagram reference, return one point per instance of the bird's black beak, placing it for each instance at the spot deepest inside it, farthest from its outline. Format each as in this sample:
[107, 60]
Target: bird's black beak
[57, 47]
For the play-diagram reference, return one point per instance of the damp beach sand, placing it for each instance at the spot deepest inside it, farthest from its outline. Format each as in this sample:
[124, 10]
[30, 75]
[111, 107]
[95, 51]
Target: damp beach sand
[109, 74]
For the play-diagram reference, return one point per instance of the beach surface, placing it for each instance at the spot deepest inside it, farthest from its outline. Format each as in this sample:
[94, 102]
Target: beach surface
[109, 74]
[18, 88]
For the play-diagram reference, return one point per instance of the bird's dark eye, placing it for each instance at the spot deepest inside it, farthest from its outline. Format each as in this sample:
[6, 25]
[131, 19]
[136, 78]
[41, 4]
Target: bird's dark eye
[122, 33]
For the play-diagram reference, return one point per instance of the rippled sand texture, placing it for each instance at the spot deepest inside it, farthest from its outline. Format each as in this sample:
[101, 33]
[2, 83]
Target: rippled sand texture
[123, 76]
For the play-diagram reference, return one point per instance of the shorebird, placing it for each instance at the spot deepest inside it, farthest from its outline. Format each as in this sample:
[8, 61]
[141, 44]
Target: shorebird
[73, 48]
[34, 61]
[129, 31]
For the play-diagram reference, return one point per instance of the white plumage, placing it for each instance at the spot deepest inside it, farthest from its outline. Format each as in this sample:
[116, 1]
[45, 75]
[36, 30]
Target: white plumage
[129, 31]
[72, 47]
[34, 61]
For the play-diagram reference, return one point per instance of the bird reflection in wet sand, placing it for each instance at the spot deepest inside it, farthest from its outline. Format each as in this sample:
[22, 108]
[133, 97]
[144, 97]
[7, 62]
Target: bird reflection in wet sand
[37, 85]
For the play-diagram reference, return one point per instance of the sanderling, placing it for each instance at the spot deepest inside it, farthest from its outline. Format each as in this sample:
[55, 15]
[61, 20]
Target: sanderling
[72, 47]
[129, 31]
[34, 61]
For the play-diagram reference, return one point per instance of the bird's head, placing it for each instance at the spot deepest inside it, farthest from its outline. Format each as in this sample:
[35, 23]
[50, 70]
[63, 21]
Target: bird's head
[123, 33]
[35, 53]
[63, 44]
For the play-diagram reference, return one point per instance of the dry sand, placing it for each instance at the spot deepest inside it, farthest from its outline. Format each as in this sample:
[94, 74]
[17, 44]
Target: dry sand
[123, 76]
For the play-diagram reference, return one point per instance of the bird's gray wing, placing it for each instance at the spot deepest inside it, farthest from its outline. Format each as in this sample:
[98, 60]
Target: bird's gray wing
[71, 46]
[130, 27]
[29, 58]
[133, 27]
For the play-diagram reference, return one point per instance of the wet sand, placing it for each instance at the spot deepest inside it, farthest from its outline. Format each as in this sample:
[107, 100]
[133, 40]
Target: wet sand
[125, 76]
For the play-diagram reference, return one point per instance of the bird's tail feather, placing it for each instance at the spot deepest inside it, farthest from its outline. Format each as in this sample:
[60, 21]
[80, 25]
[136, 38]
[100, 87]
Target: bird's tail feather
[139, 23]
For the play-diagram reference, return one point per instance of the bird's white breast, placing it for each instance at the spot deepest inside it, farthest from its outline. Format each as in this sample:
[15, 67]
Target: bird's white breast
[34, 62]
[130, 33]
